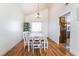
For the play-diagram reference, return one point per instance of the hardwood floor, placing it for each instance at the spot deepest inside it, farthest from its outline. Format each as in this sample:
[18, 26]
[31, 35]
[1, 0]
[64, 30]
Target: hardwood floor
[53, 50]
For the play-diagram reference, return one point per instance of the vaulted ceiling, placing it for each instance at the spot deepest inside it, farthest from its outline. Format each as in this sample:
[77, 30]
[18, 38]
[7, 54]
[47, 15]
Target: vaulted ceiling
[29, 8]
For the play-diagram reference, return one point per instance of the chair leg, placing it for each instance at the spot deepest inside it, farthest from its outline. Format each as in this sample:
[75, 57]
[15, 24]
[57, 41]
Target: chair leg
[40, 50]
[44, 46]
[24, 46]
[28, 48]
[47, 45]
[33, 50]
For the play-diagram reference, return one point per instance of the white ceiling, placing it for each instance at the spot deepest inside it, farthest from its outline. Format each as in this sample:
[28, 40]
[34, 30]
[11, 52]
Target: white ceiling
[29, 8]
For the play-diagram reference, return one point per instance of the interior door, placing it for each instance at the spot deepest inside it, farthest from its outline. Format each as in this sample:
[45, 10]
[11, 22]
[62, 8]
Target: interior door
[63, 28]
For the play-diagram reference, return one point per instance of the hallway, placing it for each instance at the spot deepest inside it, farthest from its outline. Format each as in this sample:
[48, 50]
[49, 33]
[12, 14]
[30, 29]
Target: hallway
[53, 50]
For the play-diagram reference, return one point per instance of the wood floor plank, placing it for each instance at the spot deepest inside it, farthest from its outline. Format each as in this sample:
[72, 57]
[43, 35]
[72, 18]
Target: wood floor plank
[53, 50]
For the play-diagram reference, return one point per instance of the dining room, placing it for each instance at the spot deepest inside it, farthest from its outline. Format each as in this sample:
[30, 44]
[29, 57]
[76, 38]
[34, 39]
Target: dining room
[39, 29]
[33, 29]
[36, 34]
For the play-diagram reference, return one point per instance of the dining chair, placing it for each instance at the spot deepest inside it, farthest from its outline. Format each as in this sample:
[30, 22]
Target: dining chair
[26, 40]
[36, 44]
[30, 39]
[45, 43]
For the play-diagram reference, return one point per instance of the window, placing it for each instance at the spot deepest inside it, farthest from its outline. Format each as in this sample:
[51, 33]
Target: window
[36, 26]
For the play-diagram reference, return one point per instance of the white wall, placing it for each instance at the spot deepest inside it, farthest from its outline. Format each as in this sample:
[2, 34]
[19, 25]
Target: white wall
[44, 19]
[57, 10]
[11, 22]
[74, 41]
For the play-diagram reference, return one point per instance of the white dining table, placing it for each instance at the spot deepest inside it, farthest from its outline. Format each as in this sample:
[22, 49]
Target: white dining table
[32, 35]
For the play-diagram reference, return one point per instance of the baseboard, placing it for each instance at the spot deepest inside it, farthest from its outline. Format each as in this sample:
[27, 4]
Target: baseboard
[72, 53]
[12, 47]
[51, 39]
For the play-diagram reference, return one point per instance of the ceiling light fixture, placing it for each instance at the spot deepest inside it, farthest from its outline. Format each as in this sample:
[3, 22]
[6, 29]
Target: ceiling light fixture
[38, 13]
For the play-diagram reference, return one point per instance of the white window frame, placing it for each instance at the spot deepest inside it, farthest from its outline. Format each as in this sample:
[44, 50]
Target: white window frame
[41, 26]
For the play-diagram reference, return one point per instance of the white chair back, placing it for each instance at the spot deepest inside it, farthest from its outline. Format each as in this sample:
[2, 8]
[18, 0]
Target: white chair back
[36, 40]
[25, 36]
[36, 43]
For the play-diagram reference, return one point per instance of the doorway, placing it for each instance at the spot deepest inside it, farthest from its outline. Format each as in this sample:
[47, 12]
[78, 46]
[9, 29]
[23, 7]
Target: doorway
[65, 28]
